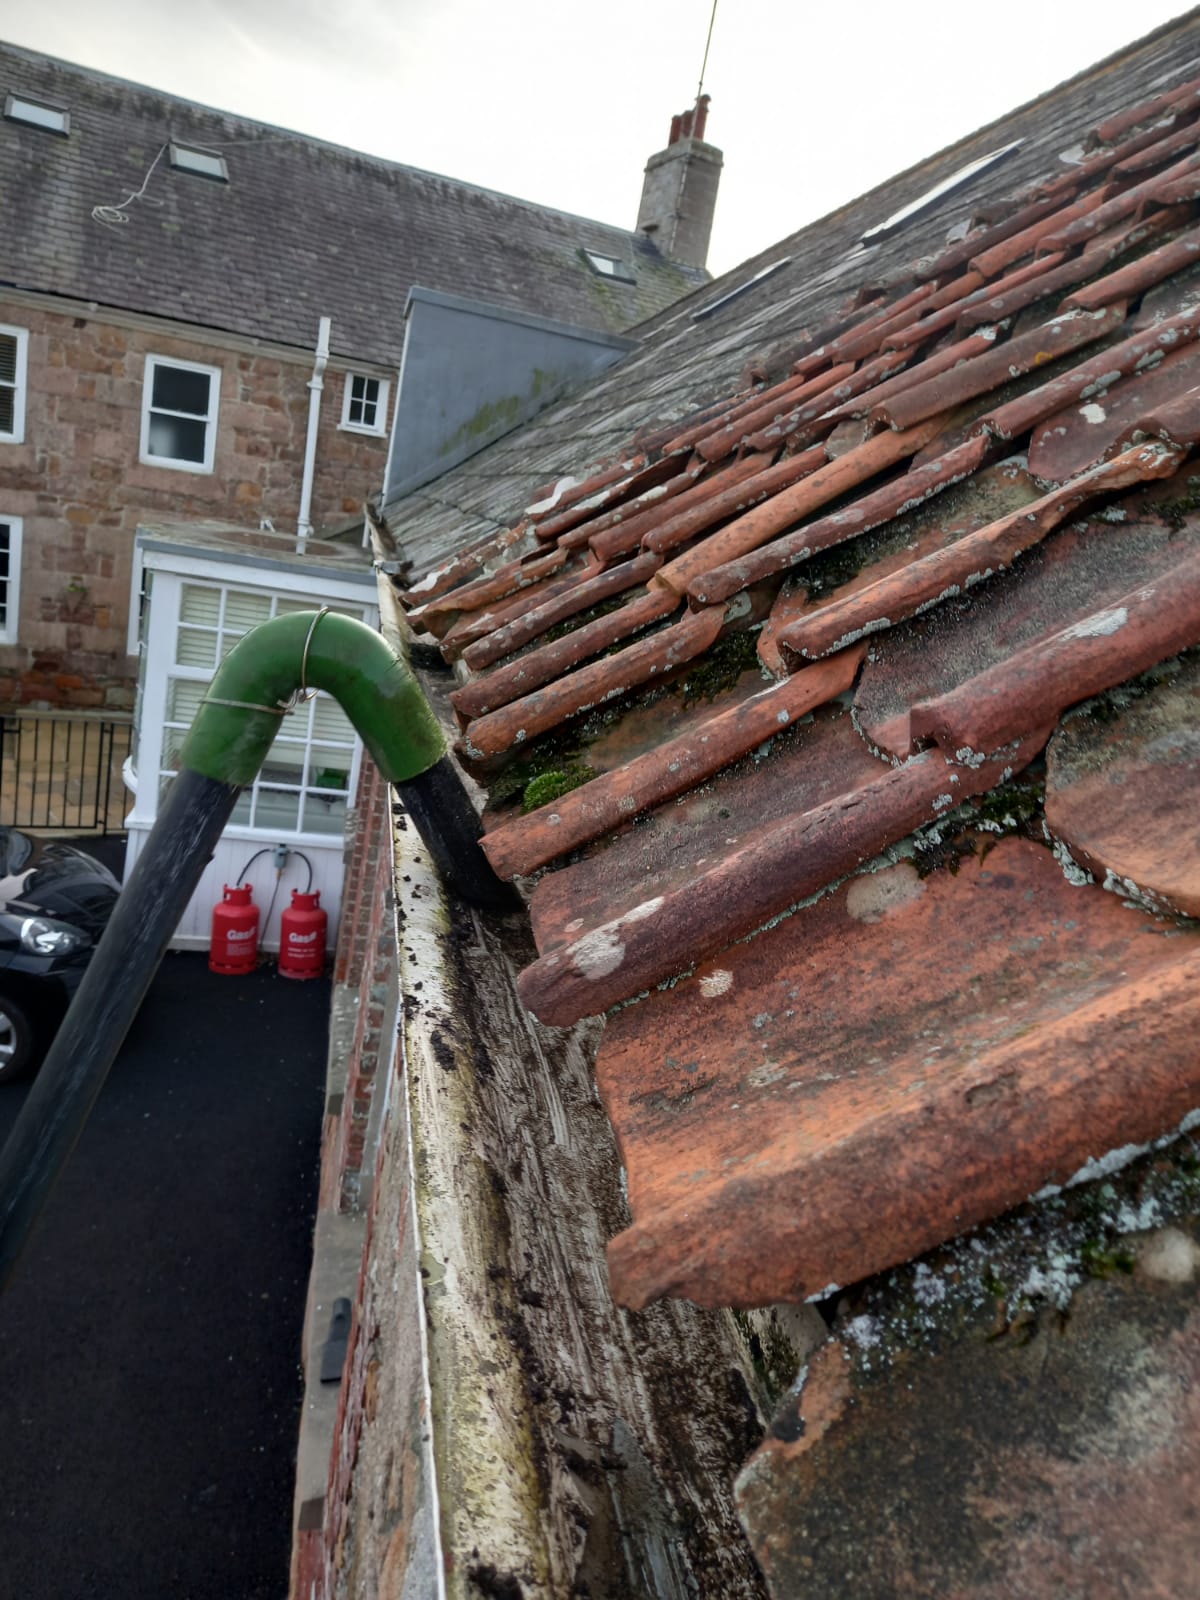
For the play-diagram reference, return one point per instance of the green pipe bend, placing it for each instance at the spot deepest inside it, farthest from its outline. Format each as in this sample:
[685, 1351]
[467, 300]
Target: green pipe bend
[241, 713]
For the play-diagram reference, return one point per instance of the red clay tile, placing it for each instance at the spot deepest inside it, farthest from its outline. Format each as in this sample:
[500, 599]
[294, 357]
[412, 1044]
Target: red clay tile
[589, 686]
[709, 744]
[943, 574]
[1081, 569]
[757, 526]
[1155, 151]
[1122, 794]
[1005, 303]
[798, 769]
[939, 361]
[1181, 190]
[1053, 1457]
[957, 313]
[743, 489]
[811, 420]
[611, 539]
[498, 585]
[1092, 378]
[783, 1130]
[542, 665]
[1038, 235]
[452, 573]
[983, 239]
[1160, 188]
[773, 416]
[567, 491]
[859, 343]
[1147, 625]
[869, 511]
[474, 625]
[776, 869]
[1162, 105]
[1071, 440]
[1025, 353]
[625, 488]
[531, 623]
[645, 504]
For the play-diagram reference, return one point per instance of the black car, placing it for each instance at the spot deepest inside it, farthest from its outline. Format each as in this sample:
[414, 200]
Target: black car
[55, 902]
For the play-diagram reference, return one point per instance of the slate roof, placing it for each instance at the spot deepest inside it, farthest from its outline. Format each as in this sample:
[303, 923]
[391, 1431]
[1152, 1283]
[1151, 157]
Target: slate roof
[301, 229]
[843, 719]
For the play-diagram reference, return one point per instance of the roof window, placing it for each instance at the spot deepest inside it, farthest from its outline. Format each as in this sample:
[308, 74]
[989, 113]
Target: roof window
[204, 163]
[955, 181]
[609, 266]
[768, 271]
[55, 119]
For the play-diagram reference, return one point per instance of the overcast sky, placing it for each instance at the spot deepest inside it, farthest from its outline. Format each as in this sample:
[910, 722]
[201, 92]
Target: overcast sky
[562, 102]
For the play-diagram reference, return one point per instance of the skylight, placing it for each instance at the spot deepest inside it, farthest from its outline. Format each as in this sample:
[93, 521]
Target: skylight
[204, 163]
[55, 119]
[768, 271]
[609, 266]
[947, 185]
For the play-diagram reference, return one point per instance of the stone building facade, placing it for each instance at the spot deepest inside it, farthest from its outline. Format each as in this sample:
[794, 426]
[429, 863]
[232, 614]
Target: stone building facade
[87, 470]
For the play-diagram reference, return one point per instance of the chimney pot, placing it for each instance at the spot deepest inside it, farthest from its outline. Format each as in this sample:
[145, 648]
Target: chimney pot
[676, 124]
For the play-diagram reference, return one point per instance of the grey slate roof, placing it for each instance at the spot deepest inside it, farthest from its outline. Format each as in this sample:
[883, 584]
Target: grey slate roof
[682, 364]
[302, 229]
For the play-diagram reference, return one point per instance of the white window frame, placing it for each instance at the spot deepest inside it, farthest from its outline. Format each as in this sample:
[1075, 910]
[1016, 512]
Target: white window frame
[210, 420]
[381, 404]
[161, 666]
[12, 596]
[17, 434]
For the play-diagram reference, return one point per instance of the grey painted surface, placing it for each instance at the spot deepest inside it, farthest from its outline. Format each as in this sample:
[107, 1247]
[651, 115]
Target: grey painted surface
[472, 373]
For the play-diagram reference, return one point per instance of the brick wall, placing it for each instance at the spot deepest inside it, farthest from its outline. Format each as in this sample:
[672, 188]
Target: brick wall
[81, 491]
[366, 963]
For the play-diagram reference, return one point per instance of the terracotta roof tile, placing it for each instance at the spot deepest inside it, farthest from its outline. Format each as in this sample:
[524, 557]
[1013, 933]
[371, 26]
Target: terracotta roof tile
[1147, 625]
[691, 864]
[672, 769]
[839, 1135]
[1025, 353]
[1121, 794]
[974, 558]
[755, 527]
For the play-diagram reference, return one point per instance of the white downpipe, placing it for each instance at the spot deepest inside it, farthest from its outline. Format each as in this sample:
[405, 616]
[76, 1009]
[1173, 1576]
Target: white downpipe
[315, 384]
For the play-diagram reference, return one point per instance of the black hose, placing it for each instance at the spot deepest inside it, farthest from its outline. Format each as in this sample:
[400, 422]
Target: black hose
[307, 863]
[446, 820]
[147, 913]
[265, 851]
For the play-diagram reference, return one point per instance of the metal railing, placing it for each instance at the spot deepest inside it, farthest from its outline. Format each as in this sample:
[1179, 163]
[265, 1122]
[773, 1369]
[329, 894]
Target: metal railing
[60, 771]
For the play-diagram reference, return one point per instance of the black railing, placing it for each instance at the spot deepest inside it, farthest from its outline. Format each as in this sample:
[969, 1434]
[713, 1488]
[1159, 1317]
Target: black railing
[60, 771]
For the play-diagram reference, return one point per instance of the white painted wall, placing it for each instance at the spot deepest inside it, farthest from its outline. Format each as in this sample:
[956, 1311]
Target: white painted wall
[237, 844]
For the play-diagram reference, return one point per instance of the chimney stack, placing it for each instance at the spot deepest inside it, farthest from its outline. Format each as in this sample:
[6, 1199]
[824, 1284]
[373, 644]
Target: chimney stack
[679, 195]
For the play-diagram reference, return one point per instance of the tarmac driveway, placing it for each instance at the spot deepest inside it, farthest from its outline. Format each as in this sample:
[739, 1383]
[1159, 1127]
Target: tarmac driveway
[150, 1384]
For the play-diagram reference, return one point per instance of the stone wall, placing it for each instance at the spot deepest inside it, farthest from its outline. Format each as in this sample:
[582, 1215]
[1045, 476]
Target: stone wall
[81, 491]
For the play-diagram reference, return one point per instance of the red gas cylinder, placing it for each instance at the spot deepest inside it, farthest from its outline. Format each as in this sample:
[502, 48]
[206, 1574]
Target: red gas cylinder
[234, 947]
[302, 932]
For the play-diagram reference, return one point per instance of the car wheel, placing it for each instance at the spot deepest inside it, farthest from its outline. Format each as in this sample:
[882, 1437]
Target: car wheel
[18, 1039]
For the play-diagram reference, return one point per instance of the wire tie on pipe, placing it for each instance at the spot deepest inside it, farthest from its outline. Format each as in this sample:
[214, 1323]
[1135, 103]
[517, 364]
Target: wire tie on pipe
[245, 705]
